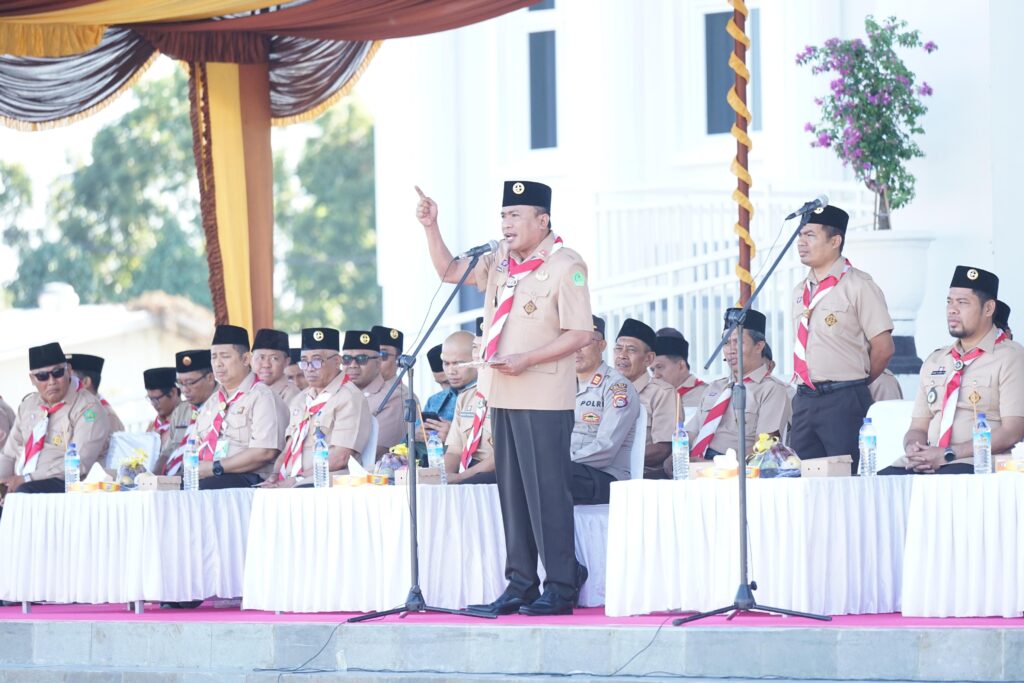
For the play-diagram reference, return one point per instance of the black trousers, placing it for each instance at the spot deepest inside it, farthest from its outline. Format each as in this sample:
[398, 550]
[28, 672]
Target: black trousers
[53, 485]
[829, 423]
[482, 478]
[951, 468]
[238, 480]
[589, 485]
[531, 458]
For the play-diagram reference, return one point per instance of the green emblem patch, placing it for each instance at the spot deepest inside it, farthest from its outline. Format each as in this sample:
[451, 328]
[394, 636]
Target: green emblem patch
[579, 279]
[90, 415]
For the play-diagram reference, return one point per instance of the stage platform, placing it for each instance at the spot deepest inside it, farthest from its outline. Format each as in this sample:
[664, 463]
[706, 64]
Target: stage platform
[109, 643]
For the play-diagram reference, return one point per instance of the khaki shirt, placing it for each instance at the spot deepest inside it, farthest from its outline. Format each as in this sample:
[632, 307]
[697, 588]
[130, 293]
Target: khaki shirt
[345, 420]
[81, 420]
[286, 390]
[995, 379]
[547, 301]
[391, 427]
[659, 398]
[842, 324]
[691, 393]
[607, 407]
[768, 410]
[461, 430]
[885, 388]
[256, 420]
[115, 422]
[181, 418]
[6, 421]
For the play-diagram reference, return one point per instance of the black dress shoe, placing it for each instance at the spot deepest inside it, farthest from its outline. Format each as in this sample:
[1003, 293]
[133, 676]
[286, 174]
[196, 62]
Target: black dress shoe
[547, 605]
[581, 578]
[508, 603]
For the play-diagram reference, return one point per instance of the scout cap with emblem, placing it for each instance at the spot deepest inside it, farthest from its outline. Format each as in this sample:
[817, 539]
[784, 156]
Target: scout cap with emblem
[192, 360]
[599, 325]
[638, 330]
[321, 338]
[274, 340]
[388, 336]
[160, 379]
[526, 193]
[676, 347]
[1001, 318]
[356, 340]
[231, 334]
[294, 355]
[970, 277]
[831, 216]
[84, 362]
[480, 326]
[755, 322]
[434, 358]
[47, 354]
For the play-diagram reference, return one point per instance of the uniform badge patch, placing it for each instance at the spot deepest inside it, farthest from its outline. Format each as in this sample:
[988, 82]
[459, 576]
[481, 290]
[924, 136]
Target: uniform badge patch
[542, 275]
[591, 418]
[503, 265]
[319, 336]
[393, 334]
[530, 307]
[186, 361]
[619, 388]
[939, 371]
[958, 365]
[974, 398]
[972, 274]
[579, 279]
[831, 319]
[619, 401]
[932, 395]
[518, 188]
[90, 415]
[58, 441]
[364, 338]
[596, 381]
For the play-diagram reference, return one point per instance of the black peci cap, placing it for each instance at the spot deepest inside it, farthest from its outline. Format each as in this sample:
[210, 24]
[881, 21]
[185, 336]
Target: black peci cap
[159, 378]
[599, 325]
[230, 334]
[274, 340]
[832, 216]
[638, 330]
[672, 346]
[755, 322]
[969, 277]
[1001, 318]
[84, 362]
[359, 340]
[47, 354]
[434, 358]
[192, 360]
[388, 336]
[480, 326]
[294, 355]
[526, 193]
[320, 338]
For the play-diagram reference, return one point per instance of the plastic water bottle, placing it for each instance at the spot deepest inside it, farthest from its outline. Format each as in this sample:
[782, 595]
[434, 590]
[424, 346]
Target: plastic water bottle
[868, 443]
[321, 463]
[72, 466]
[190, 465]
[435, 454]
[982, 446]
[680, 453]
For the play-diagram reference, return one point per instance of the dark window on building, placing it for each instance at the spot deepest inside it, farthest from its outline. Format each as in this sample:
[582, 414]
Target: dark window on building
[543, 4]
[717, 46]
[470, 298]
[543, 110]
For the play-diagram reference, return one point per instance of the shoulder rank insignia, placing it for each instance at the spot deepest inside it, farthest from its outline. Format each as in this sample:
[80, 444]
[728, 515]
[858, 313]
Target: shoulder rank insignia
[597, 379]
[591, 418]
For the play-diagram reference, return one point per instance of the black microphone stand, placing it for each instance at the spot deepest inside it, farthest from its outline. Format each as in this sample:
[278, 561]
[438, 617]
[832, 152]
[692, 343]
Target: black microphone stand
[744, 601]
[414, 602]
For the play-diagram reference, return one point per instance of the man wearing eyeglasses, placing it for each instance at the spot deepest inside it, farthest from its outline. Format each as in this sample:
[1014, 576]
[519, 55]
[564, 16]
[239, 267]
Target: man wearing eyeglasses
[196, 384]
[172, 414]
[241, 428]
[269, 360]
[391, 342]
[332, 405]
[49, 419]
[89, 371]
[360, 360]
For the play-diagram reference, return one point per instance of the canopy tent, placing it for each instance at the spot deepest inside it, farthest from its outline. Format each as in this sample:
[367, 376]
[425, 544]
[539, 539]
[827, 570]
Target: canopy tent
[251, 63]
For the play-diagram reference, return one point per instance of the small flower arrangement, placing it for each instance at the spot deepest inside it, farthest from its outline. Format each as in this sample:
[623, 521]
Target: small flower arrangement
[396, 458]
[131, 467]
[871, 113]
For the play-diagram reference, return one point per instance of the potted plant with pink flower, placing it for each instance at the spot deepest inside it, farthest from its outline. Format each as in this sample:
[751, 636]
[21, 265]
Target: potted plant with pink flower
[871, 113]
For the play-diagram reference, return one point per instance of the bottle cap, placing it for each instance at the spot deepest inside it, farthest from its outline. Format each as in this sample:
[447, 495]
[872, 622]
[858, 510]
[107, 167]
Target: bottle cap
[867, 420]
[981, 416]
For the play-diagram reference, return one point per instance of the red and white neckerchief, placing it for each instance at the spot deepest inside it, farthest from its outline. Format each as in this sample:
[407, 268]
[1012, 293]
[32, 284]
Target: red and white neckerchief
[711, 422]
[960, 363]
[208, 449]
[479, 416]
[291, 466]
[160, 426]
[516, 272]
[103, 401]
[177, 457]
[800, 368]
[34, 445]
[683, 391]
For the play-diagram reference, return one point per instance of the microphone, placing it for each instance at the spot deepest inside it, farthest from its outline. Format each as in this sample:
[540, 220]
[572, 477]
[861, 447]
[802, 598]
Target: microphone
[479, 251]
[819, 202]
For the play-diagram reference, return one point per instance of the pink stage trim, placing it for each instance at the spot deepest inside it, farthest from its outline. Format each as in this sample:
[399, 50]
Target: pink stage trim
[583, 617]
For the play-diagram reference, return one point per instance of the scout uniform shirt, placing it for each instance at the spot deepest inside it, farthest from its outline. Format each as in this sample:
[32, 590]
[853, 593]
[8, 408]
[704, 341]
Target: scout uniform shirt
[345, 420]
[81, 420]
[841, 325]
[285, 389]
[607, 407]
[659, 398]
[391, 427]
[547, 301]
[7, 419]
[768, 410]
[885, 388]
[690, 392]
[258, 419]
[993, 383]
[461, 430]
[179, 419]
[112, 419]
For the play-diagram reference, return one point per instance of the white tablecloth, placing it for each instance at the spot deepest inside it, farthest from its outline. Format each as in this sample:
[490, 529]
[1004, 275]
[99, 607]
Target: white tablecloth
[347, 549]
[964, 552]
[124, 547]
[822, 545]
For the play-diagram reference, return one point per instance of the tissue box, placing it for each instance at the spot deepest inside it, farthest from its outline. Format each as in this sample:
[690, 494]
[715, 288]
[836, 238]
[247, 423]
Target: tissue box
[832, 466]
[85, 487]
[424, 475]
[351, 479]
[1005, 463]
[151, 482]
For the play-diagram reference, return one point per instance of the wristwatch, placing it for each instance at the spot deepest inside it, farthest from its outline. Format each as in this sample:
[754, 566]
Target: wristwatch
[218, 469]
[950, 456]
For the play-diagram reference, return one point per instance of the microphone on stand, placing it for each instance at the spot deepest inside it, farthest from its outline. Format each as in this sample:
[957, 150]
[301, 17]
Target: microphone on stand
[478, 251]
[819, 202]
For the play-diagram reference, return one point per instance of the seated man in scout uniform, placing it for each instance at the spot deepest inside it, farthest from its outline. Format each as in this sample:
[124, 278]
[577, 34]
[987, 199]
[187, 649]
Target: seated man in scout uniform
[292, 372]
[197, 384]
[270, 357]
[89, 371]
[672, 365]
[1001, 319]
[360, 358]
[173, 416]
[54, 415]
[241, 428]
[981, 372]
[470, 445]
[633, 354]
[332, 405]
[607, 407]
[714, 428]
[391, 342]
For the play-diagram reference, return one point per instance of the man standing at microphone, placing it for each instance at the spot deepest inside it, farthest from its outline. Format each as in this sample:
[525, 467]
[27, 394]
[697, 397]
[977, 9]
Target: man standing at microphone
[536, 316]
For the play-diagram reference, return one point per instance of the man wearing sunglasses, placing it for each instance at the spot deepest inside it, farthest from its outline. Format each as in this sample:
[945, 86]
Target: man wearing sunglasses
[332, 405]
[49, 419]
[172, 414]
[360, 360]
[89, 371]
[391, 342]
[269, 360]
[241, 428]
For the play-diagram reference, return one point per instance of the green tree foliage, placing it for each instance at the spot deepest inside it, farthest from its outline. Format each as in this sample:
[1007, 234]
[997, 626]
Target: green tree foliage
[325, 217]
[128, 220]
